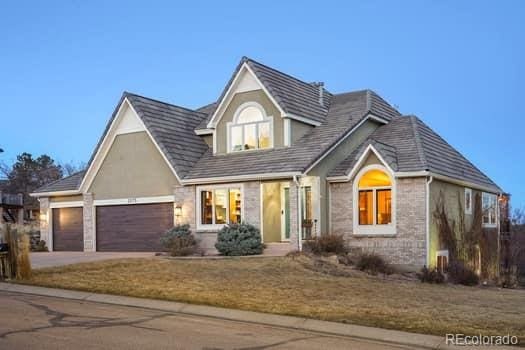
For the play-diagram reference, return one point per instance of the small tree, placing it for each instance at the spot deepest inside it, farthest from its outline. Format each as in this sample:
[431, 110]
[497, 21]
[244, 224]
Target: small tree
[513, 250]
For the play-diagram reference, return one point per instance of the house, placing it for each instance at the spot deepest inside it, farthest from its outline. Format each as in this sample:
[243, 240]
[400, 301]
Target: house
[285, 155]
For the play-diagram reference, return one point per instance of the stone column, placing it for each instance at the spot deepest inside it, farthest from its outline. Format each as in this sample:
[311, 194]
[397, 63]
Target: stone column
[294, 216]
[89, 223]
[185, 197]
[252, 203]
[45, 219]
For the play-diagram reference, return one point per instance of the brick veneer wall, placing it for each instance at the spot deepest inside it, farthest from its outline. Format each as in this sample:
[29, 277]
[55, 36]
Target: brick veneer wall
[408, 245]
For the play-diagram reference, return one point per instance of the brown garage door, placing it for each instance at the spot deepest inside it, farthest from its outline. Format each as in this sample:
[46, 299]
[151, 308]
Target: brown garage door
[68, 229]
[132, 227]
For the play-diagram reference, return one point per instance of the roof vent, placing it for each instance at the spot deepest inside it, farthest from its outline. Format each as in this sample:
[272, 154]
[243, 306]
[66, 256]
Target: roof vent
[320, 85]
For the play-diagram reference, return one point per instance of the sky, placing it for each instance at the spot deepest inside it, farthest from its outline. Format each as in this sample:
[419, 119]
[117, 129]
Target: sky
[458, 65]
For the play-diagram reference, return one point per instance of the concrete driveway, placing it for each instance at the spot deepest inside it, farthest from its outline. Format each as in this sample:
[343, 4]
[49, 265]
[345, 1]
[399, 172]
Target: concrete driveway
[49, 259]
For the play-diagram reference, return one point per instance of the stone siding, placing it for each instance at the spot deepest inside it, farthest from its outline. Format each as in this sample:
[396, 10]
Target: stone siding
[408, 246]
[89, 223]
[45, 228]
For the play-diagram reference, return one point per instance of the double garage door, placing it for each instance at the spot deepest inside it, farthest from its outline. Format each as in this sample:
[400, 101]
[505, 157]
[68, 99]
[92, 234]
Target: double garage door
[123, 228]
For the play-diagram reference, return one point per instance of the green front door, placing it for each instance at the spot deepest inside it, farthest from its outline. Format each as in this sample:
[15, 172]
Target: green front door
[286, 213]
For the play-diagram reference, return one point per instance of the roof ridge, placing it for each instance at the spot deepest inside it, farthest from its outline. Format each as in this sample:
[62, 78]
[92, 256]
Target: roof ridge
[127, 93]
[417, 138]
[248, 59]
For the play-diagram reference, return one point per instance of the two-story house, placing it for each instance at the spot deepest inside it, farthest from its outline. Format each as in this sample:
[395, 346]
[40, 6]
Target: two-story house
[285, 155]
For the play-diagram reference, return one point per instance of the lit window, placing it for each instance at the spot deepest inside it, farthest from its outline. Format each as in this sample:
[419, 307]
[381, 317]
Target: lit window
[490, 209]
[468, 201]
[251, 129]
[220, 206]
[375, 198]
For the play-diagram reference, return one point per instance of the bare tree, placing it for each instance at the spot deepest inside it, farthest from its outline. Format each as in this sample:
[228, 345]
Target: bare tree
[71, 168]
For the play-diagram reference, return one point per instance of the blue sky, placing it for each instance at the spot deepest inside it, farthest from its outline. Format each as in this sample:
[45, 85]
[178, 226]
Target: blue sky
[460, 66]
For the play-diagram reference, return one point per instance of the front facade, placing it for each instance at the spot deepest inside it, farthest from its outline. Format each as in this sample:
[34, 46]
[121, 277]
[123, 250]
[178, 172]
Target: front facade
[284, 155]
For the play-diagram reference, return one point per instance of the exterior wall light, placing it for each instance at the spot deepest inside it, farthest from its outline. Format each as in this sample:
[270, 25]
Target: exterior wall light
[178, 211]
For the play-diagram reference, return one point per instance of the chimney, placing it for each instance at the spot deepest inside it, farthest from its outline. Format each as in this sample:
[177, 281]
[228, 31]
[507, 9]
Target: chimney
[320, 85]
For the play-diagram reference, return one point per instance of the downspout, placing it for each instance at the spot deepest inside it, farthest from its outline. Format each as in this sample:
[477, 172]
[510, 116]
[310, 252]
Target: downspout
[297, 182]
[427, 245]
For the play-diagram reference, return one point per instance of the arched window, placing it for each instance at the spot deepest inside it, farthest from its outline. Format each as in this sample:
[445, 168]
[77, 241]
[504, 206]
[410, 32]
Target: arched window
[375, 198]
[251, 128]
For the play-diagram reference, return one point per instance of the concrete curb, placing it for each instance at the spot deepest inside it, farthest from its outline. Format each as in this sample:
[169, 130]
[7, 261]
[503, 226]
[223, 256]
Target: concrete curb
[330, 328]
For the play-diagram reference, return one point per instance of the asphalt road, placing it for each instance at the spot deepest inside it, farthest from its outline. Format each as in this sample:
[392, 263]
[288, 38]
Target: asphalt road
[36, 322]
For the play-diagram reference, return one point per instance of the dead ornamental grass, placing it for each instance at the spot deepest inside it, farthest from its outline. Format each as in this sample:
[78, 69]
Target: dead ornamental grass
[295, 287]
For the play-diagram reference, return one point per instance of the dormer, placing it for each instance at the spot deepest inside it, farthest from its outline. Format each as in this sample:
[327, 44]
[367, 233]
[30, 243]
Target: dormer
[262, 108]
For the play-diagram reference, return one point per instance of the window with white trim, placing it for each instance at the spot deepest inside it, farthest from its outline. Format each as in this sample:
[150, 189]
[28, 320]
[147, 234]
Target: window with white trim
[220, 206]
[251, 129]
[489, 205]
[468, 201]
[375, 198]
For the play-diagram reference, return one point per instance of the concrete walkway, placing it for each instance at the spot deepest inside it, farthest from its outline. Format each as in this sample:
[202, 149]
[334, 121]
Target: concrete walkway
[49, 259]
[395, 338]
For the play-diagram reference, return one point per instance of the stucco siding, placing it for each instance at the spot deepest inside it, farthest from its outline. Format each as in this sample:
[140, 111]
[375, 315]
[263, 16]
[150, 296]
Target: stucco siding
[133, 168]
[238, 99]
[298, 129]
[61, 199]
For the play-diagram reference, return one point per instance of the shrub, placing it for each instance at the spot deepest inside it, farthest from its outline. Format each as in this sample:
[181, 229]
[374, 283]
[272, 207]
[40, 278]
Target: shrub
[40, 246]
[431, 276]
[179, 241]
[326, 244]
[373, 264]
[459, 273]
[239, 239]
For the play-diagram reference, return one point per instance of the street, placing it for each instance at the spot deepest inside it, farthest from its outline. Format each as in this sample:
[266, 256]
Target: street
[36, 322]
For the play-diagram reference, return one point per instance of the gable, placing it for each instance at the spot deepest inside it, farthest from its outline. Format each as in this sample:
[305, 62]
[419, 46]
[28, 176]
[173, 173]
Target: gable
[258, 96]
[243, 81]
[133, 167]
[125, 121]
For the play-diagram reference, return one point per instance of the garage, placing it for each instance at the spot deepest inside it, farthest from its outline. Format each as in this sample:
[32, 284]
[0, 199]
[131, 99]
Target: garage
[135, 227]
[68, 229]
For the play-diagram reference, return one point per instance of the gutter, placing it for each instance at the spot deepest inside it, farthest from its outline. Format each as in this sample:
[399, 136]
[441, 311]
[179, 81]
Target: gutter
[427, 233]
[54, 194]
[297, 182]
[249, 177]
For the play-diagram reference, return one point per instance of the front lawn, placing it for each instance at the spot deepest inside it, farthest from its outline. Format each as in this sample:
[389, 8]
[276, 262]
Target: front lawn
[299, 287]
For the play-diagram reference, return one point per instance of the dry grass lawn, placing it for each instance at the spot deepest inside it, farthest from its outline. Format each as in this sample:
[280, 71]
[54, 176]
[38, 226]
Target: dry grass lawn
[297, 286]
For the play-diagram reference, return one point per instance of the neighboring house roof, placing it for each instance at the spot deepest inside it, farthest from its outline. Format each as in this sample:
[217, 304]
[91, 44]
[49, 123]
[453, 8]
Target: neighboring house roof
[346, 111]
[408, 145]
[68, 183]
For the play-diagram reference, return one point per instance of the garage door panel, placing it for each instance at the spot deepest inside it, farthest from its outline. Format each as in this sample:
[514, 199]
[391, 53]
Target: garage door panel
[68, 229]
[132, 227]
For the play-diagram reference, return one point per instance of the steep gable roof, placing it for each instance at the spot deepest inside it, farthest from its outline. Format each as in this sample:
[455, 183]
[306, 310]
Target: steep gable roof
[346, 112]
[407, 144]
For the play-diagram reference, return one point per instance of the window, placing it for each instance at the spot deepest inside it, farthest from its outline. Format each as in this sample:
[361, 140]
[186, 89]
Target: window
[375, 198]
[468, 201]
[251, 129]
[442, 260]
[489, 206]
[219, 206]
[306, 211]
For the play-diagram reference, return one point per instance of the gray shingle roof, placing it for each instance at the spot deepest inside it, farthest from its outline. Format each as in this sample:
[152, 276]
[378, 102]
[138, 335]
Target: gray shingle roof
[208, 110]
[69, 183]
[346, 111]
[407, 144]
[173, 128]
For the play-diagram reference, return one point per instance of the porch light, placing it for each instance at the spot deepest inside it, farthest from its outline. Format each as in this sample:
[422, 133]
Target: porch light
[43, 217]
[178, 210]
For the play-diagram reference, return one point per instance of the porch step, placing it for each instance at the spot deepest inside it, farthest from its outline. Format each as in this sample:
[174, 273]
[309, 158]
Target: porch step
[277, 249]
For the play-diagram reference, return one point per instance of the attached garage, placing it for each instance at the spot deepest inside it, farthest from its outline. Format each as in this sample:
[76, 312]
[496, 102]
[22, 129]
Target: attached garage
[136, 227]
[68, 229]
